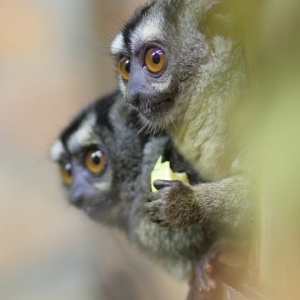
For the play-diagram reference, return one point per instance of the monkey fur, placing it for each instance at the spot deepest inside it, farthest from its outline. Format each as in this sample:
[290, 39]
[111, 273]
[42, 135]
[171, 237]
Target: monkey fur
[182, 68]
[115, 196]
[191, 97]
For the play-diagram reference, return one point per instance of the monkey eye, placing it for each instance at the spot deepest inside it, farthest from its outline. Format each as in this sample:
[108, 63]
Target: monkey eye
[155, 59]
[94, 161]
[66, 173]
[124, 67]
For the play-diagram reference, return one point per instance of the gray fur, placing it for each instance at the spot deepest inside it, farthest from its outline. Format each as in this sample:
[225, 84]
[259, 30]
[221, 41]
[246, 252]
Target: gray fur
[203, 81]
[131, 158]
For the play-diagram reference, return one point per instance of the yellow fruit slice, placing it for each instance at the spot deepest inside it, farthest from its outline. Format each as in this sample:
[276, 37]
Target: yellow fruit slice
[164, 172]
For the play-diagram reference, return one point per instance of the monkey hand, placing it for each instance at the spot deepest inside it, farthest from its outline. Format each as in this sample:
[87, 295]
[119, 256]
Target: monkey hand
[225, 261]
[173, 204]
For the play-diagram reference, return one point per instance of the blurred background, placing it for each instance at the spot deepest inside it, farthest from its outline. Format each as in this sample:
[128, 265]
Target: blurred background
[54, 58]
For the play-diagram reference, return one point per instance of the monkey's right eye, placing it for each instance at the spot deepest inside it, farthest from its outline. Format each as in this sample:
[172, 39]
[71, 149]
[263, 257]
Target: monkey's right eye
[66, 173]
[124, 68]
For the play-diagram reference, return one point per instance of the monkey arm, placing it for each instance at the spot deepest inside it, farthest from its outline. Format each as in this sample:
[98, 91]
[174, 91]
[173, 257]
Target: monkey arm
[225, 203]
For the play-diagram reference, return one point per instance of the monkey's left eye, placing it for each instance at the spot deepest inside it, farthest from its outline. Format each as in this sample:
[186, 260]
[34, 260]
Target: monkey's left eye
[66, 173]
[95, 161]
[155, 59]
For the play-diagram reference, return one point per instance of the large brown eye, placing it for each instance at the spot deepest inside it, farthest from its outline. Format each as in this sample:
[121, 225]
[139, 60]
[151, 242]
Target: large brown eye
[94, 161]
[66, 173]
[124, 67]
[155, 59]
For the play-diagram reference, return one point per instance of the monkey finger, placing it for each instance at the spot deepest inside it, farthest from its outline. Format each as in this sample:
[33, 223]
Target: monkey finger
[158, 221]
[205, 282]
[148, 209]
[150, 197]
[208, 267]
[161, 184]
[155, 217]
[212, 283]
[162, 223]
[153, 208]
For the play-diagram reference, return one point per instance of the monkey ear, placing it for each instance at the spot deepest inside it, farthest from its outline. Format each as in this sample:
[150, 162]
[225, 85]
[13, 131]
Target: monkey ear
[220, 19]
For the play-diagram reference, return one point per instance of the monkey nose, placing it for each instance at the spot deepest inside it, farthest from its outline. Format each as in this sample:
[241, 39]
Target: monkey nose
[76, 198]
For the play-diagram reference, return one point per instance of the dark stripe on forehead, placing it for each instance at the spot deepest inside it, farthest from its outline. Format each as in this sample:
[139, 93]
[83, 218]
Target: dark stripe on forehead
[133, 23]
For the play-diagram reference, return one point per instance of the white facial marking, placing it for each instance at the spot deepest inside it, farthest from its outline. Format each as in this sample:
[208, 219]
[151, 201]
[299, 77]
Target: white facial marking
[117, 45]
[162, 86]
[149, 30]
[57, 150]
[84, 135]
[103, 186]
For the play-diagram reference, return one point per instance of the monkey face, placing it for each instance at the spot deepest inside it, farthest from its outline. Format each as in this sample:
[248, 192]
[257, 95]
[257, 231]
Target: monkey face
[100, 155]
[146, 81]
[157, 53]
[82, 153]
[173, 55]
[87, 177]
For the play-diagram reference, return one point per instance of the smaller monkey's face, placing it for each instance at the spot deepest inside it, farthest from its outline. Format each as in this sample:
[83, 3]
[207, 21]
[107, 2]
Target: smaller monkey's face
[86, 168]
[85, 174]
